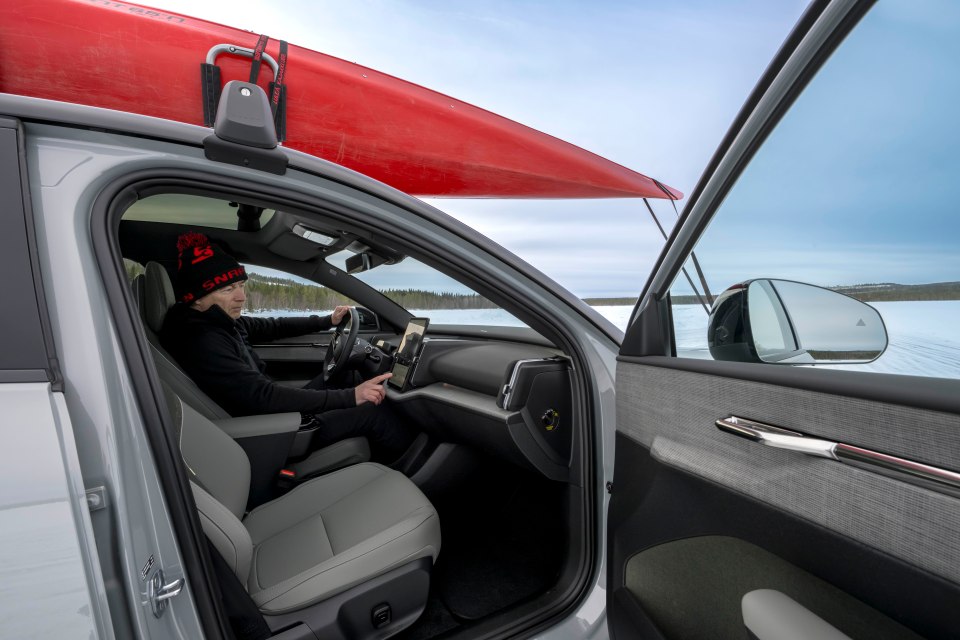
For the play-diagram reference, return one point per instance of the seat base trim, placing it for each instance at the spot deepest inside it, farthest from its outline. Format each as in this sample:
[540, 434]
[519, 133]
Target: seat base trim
[348, 615]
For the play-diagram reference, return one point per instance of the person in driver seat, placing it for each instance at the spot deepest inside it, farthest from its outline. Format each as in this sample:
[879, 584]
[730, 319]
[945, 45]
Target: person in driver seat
[210, 339]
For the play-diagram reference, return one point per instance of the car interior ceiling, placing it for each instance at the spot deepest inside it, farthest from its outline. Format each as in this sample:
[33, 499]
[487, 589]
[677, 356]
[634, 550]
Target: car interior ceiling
[506, 485]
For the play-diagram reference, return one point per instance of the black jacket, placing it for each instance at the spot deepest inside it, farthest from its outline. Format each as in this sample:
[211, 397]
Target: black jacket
[215, 351]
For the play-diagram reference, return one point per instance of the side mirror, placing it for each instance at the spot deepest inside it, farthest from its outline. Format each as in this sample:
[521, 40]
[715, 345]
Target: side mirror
[784, 322]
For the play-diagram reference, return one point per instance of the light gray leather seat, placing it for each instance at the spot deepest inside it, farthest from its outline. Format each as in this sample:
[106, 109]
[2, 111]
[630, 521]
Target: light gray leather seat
[357, 537]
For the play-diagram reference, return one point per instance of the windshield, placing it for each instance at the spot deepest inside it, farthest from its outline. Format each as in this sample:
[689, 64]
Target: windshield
[424, 291]
[179, 208]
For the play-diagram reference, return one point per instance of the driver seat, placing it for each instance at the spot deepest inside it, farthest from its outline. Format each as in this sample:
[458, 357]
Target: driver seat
[154, 295]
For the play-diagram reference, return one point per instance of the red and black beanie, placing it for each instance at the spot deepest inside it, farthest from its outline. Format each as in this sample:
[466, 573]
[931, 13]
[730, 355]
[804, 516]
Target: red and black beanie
[203, 267]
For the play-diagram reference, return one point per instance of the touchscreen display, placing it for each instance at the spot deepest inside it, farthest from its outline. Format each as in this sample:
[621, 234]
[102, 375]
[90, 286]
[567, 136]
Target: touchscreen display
[410, 346]
[400, 372]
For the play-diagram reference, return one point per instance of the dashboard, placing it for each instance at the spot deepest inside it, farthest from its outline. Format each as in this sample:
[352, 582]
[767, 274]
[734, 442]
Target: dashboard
[511, 400]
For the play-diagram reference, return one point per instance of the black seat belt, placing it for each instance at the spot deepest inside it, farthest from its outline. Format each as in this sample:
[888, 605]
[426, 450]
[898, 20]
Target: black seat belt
[245, 618]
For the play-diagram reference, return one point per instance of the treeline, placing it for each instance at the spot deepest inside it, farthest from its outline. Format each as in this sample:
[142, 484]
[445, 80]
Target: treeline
[888, 292]
[419, 299]
[611, 302]
[266, 292]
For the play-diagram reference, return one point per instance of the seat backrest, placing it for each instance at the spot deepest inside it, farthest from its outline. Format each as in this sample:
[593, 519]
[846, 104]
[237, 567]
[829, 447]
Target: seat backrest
[158, 296]
[155, 299]
[219, 473]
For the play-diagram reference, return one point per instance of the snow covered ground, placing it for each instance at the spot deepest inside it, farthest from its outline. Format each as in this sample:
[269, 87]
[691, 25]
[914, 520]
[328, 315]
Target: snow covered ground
[924, 337]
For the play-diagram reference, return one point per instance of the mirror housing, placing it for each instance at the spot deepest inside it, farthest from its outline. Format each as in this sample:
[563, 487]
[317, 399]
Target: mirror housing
[785, 322]
[364, 261]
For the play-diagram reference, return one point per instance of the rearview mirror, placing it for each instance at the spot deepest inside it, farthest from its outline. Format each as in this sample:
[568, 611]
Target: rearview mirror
[364, 261]
[784, 322]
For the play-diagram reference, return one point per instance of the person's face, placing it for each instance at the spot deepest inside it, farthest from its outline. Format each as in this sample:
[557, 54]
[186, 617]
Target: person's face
[229, 298]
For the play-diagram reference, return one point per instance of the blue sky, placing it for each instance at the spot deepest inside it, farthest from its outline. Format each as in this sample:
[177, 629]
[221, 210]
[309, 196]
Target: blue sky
[858, 184]
[651, 85]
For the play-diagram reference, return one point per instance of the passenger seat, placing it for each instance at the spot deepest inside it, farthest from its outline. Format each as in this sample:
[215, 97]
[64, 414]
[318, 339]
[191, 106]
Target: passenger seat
[347, 555]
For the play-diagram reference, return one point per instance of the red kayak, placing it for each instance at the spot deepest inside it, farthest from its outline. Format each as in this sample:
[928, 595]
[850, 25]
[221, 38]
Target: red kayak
[131, 58]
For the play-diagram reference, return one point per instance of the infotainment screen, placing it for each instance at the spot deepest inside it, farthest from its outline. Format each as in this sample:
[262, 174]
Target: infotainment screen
[406, 357]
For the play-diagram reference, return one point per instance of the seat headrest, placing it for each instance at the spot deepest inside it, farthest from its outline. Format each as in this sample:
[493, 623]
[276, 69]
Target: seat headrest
[158, 295]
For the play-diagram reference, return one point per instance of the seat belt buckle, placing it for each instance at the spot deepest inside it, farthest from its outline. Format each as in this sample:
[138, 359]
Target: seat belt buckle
[286, 479]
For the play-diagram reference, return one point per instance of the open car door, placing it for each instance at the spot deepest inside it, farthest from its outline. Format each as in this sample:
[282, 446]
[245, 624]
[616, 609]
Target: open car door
[753, 498]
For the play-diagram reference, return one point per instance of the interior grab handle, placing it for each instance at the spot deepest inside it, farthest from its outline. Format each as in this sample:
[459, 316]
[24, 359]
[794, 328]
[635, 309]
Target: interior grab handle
[772, 615]
[930, 477]
[777, 437]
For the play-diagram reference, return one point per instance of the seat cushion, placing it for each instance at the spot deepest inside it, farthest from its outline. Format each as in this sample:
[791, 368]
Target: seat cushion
[334, 532]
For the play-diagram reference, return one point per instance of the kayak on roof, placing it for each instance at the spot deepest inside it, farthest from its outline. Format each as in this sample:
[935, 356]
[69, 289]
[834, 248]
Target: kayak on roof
[132, 58]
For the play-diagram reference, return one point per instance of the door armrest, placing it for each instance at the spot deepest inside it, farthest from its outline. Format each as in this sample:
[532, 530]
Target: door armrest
[771, 615]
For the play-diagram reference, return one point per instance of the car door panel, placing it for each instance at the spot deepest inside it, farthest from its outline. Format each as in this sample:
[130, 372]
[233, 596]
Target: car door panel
[700, 517]
[299, 359]
[779, 519]
[736, 568]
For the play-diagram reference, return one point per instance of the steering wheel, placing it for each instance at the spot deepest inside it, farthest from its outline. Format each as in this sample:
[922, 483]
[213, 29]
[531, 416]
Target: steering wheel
[342, 342]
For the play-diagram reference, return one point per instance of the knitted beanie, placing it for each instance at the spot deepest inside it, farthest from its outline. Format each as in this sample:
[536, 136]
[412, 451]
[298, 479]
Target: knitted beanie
[203, 267]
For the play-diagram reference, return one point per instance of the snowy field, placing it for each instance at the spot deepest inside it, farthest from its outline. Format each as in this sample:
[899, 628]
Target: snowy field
[924, 336]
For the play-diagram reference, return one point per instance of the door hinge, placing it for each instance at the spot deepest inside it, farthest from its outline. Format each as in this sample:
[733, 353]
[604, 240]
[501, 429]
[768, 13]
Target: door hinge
[158, 592]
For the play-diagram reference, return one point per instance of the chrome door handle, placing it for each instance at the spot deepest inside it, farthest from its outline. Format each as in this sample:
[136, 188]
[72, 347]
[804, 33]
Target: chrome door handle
[918, 473]
[777, 437]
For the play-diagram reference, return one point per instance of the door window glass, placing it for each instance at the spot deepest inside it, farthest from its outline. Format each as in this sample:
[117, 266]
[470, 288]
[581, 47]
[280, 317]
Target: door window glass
[857, 190]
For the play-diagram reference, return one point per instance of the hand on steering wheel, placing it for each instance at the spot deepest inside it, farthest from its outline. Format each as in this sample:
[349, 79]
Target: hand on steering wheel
[341, 345]
[339, 313]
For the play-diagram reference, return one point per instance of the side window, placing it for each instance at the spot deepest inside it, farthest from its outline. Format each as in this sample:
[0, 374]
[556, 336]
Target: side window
[856, 191]
[150, 226]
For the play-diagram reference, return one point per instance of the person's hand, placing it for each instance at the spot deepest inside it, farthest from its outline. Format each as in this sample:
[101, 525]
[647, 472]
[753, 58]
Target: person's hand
[372, 390]
[338, 314]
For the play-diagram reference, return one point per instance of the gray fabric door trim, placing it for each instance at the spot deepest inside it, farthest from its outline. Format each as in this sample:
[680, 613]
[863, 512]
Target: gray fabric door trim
[936, 394]
[673, 412]
[710, 575]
